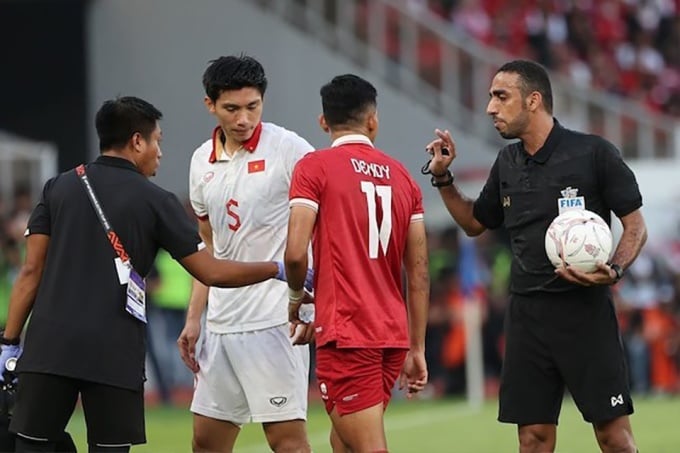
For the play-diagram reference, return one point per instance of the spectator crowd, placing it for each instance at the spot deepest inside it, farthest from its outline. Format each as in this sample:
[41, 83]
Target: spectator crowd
[626, 47]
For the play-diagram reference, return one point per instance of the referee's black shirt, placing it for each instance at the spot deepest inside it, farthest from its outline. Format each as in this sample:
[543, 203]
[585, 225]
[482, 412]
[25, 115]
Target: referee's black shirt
[79, 327]
[522, 192]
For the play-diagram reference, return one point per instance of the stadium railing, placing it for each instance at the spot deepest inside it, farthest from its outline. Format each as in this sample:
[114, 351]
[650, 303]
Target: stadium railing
[449, 72]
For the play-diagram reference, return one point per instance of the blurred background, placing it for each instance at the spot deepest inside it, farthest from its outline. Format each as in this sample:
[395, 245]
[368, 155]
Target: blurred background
[615, 67]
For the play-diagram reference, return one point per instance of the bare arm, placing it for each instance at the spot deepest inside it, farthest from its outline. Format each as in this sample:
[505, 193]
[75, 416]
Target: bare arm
[226, 273]
[211, 271]
[460, 208]
[300, 228]
[26, 285]
[414, 372]
[633, 238]
[458, 205]
[418, 278]
[199, 292]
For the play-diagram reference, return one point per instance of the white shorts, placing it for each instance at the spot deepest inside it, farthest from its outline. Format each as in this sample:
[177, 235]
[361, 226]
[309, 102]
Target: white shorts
[256, 376]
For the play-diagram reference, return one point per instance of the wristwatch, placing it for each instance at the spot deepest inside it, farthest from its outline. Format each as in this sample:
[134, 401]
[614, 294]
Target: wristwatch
[447, 182]
[618, 270]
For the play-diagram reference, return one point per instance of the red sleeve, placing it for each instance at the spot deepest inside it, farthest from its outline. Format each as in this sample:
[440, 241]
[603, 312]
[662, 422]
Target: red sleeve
[418, 209]
[308, 180]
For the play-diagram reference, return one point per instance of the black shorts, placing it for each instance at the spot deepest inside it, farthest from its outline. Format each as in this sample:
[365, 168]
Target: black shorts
[563, 340]
[45, 403]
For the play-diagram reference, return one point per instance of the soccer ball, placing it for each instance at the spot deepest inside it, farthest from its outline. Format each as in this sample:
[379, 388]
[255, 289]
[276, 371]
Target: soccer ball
[579, 237]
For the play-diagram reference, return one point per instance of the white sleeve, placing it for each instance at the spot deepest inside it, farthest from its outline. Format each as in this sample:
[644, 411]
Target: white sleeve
[196, 189]
[296, 147]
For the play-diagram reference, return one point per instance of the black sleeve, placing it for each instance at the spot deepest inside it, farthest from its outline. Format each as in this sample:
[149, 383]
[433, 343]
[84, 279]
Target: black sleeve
[39, 222]
[616, 180]
[177, 233]
[487, 208]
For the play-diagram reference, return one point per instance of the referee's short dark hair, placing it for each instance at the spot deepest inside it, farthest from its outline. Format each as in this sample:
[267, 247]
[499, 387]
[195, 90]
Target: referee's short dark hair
[533, 77]
[119, 119]
[346, 99]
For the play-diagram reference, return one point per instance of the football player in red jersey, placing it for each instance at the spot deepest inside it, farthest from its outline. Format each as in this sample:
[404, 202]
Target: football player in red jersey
[363, 212]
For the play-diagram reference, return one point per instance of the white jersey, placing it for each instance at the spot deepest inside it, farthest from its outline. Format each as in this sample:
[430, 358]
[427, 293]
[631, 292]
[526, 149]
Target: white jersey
[245, 198]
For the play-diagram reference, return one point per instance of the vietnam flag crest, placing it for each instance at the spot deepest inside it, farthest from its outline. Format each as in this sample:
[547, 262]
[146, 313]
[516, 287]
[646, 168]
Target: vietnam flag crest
[256, 166]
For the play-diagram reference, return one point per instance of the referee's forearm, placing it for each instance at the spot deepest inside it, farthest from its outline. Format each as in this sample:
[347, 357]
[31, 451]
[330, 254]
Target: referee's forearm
[461, 209]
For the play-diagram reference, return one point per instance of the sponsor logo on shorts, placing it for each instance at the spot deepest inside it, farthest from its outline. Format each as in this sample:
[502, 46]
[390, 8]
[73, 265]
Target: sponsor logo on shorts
[350, 397]
[278, 401]
[618, 399]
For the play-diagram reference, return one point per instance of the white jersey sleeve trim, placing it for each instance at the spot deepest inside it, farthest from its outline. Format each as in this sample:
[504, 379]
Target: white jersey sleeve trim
[417, 218]
[304, 202]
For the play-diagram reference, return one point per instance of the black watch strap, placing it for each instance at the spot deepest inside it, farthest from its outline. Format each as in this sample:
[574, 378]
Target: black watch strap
[618, 270]
[9, 341]
[447, 182]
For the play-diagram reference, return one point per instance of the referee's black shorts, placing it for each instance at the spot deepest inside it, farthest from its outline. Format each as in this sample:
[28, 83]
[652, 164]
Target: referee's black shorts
[45, 403]
[563, 340]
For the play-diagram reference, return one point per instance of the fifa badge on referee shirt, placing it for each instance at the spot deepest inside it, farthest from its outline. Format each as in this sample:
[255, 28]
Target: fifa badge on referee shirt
[570, 200]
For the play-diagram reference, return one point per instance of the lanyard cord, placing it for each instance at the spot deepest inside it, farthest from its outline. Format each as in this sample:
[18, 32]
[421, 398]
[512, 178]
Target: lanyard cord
[110, 234]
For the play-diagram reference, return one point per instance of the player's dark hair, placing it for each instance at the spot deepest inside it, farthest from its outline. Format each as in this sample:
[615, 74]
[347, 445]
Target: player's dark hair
[119, 119]
[346, 99]
[233, 73]
[533, 77]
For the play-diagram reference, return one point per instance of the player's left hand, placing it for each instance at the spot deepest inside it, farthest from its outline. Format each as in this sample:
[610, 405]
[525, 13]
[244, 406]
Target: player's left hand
[603, 275]
[309, 277]
[295, 315]
[301, 317]
[413, 376]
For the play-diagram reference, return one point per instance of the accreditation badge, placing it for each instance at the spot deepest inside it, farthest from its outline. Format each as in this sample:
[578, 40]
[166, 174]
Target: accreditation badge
[136, 296]
[570, 200]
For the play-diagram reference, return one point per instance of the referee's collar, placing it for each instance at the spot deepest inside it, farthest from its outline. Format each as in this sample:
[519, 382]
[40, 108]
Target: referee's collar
[554, 138]
[113, 161]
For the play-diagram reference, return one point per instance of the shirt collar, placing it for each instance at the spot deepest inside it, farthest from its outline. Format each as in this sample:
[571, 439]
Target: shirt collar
[113, 161]
[218, 146]
[551, 142]
[352, 138]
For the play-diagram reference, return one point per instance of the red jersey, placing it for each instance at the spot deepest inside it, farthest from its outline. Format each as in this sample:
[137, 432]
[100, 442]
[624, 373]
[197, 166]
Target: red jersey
[365, 201]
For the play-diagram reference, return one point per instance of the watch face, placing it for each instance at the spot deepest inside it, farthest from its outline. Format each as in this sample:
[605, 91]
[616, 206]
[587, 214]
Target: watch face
[11, 364]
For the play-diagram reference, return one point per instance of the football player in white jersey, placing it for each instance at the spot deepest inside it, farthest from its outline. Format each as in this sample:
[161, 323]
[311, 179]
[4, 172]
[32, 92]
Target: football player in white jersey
[248, 369]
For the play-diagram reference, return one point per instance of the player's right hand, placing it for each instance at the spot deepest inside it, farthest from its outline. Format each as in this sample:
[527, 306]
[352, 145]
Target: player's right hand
[440, 162]
[187, 344]
[8, 352]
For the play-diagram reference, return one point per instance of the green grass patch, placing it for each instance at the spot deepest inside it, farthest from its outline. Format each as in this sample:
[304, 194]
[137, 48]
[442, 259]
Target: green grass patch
[426, 426]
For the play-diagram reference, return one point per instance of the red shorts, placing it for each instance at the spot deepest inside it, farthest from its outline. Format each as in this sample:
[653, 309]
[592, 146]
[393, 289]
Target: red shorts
[353, 379]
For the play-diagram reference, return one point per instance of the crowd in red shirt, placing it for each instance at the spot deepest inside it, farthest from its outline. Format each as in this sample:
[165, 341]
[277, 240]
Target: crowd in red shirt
[627, 47]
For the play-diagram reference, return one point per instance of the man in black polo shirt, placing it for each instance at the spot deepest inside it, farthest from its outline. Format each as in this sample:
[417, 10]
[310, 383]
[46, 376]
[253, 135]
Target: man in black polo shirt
[80, 286]
[561, 329]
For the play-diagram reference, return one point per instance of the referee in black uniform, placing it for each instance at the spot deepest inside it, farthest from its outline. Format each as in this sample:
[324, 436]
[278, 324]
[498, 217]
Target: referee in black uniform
[87, 334]
[561, 329]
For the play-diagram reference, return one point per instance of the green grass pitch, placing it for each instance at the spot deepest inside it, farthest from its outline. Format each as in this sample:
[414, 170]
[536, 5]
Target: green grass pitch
[444, 426]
